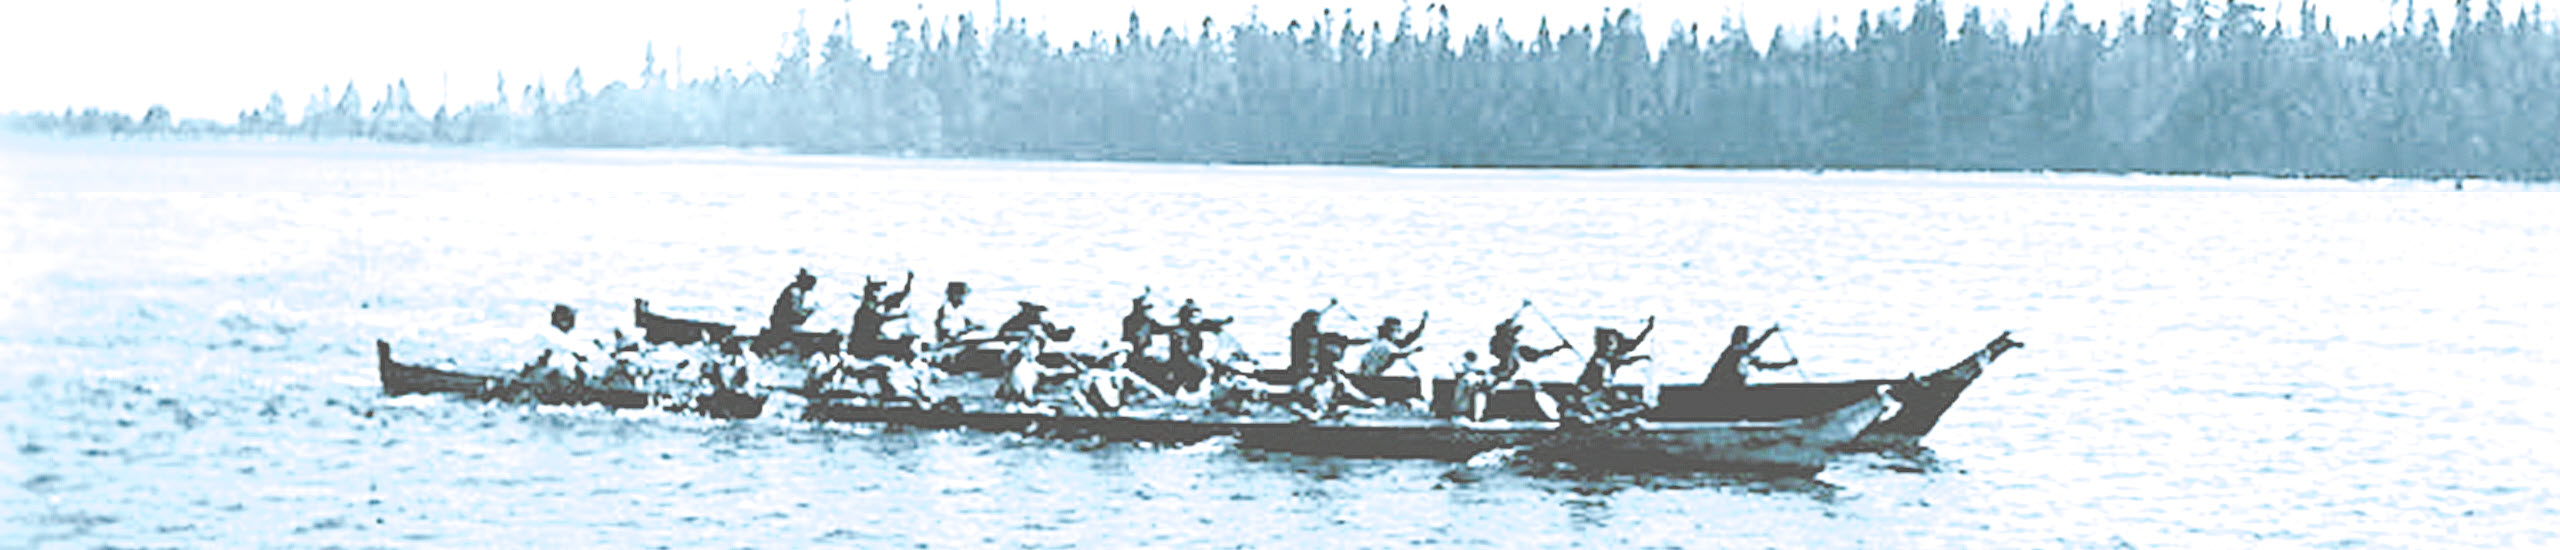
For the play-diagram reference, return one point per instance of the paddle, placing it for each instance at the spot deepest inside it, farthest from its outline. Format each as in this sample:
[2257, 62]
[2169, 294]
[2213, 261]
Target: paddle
[1551, 326]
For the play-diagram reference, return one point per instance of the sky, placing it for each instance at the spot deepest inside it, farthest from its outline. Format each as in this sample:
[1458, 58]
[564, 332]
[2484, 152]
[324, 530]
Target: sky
[215, 59]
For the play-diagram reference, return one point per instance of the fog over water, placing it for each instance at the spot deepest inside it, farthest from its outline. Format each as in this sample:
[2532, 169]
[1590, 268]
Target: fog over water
[2213, 362]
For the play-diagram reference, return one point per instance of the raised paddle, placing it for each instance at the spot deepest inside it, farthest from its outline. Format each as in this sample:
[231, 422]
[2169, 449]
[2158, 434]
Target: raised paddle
[1551, 326]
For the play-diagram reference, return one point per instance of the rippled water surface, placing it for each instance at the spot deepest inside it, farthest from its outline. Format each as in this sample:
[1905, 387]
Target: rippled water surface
[2213, 363]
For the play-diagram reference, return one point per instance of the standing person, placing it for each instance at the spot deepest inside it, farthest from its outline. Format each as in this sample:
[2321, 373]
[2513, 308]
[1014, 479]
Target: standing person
[1727, 374]
[1390, 347]
[789, 311]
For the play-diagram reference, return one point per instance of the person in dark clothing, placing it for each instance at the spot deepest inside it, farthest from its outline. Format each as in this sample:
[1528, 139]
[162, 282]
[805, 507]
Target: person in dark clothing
[1509, 354]
[789, 311]
[1139, 329]
[1589, 400]
[1028, 323]
[1312, 351]
[1186, 368]
[866, 340]
[1727, 373]
[1611, 350]
[1313, 356]
[897, 300]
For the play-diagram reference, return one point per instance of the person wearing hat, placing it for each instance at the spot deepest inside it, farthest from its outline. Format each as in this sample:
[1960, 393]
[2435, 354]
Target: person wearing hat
[1028, 323]
[867, 340]
[1187, 369]
[1509, 355]
[1390, 346]
[1138, 329]
[789, 311]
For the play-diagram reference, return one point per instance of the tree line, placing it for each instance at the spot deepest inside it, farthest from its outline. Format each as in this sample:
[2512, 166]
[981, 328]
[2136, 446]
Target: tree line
[2194, 87]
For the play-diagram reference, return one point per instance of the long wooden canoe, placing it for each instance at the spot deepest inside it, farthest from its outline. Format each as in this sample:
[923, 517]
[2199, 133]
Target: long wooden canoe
[403, 379]
[1916, 402]
[661, 329]
[1797, 444]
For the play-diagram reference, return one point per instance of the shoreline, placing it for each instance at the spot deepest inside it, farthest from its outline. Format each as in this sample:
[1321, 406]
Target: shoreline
[1570, 178]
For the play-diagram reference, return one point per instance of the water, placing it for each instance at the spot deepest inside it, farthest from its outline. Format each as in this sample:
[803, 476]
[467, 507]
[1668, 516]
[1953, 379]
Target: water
[2213, 363]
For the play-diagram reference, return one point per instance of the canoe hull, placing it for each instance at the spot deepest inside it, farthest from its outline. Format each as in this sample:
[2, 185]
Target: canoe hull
[404, 379]
[1799, 444]
[661, 329]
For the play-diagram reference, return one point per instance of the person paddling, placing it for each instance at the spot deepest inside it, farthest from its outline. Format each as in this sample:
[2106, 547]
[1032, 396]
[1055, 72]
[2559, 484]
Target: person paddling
[564, 356]
[1138, 329]
[789, 310]
[867, 340]
[1727, 374]
[1106, 387]
[1589, 401]
[1186, 339]
[1509, 355]
[949, 324]
[1392, 346]
[1611, 350]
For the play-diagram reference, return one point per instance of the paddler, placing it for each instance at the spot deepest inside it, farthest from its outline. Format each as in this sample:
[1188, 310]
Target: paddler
[1028, 324]
[1589, 400]
[1611, 350]
[1312, 356]
[1391, 346]
[1103, 389]
[1138, 329]
[789, 311]
[1185, 338]
[949, 324]
[1727, 374]
[564, 355]
[1509, 354]
[866, 340]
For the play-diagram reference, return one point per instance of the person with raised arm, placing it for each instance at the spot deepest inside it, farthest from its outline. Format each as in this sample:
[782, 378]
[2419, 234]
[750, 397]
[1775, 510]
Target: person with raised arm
[866, 340]
[1727, 374]
[1509, 355]
[1392, 346]
[1610, 350]
[1186, 337]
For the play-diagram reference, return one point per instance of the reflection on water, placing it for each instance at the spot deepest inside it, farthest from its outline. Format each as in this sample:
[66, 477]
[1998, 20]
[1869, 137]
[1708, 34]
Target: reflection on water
[2249, 364]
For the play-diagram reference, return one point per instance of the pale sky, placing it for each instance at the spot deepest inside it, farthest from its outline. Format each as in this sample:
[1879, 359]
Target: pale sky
[214, 59]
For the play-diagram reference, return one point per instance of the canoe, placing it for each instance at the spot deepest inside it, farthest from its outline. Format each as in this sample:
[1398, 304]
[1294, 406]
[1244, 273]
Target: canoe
[400, 379]
[404, 379]
[1916, 402]
[661, 329]
[1798, 444]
